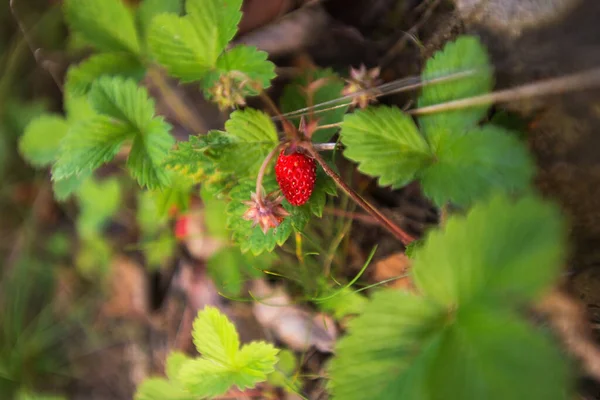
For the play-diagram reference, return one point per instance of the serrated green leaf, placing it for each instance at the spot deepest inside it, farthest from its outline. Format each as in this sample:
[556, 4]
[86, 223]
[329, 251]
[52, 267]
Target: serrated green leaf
[386, 144]
[252, 136]
[215, 336]
[108, 24]
[253, 362]
[249, 62]
[63, 188]
[173, 43]
[88, 144]
[147, 155]
[148, 9]
[215, 22]
[464, 54]
[123, 100]
[295, 98]
[80, 77]
[387, 360]
[468, 167]
[504, 251]
[494, 354]
[40, 142]
[204, 378]
[175, 361]
[161, 389]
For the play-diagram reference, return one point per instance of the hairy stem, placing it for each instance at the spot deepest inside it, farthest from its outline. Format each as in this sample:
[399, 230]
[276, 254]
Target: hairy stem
[261, 173]
[394, 229]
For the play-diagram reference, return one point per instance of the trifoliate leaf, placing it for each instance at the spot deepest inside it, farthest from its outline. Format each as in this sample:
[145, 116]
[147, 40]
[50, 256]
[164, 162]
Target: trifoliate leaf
[161, 389]
[148, 9]
[149, 150]
[215, 336]
[175, 361]
[505, 251]
[468, 167]
[40, 142]
[429, 353]
[63, 188]
[250, 65]
[388, 360]
[174, 44]
[386, 143]
[80, 77]
[295, 98]
[108, 24]
[215, 22]
[88, 144]
[252, 136]
[494, 354]
[464, 54]
[123, 100]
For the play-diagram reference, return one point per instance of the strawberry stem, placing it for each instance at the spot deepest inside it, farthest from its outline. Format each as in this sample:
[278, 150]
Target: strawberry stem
[394, 229]
[261, 173]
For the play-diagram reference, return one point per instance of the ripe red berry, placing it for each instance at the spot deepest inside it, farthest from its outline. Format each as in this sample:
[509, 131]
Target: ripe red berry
[296, 174]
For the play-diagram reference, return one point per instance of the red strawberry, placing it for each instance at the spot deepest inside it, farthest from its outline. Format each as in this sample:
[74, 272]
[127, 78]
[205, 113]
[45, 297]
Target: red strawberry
[296, 174]
[182, 227]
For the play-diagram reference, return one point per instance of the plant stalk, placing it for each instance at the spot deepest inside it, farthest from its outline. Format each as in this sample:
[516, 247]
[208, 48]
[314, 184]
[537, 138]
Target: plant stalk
[394, 229]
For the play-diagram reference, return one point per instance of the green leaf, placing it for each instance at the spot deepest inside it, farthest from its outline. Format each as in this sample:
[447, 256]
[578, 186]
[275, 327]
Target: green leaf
[89, 144]
[494, 354]
[77, 107]
[230, 269]
[161, 389]
[81, 76]
[252, 136]
[123, 100]
[503, 251]
[324, 186]
[215, 214]
[40, 142]
[348, 302]
[176, 195]
[295, 98]
[253, 363]
[149, 150]
[250, 62]
[387, 360]
[205, 378]
[148, 9]
[386, 144]
[173, 43]
[108, 24]
[175, 361]
[429, 353]
[215, 336]
[215, 22]
[468, 167]
[464, 54]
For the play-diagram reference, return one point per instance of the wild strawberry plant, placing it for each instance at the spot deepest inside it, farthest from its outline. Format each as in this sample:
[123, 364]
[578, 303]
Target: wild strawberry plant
[462, 335]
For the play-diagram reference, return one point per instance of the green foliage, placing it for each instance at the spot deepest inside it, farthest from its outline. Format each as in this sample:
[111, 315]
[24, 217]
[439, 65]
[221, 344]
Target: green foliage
[387, 144]
[466, 53]
[230, 269]
[223, 363]
[192, 48]
[157, 242]
[464, 337]
[81, 77]
[343, 304]
[468, 167]
[456, 161]
[107, 24]
[40, 142]
[148, 9]
[295, 98]
[125, 113]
